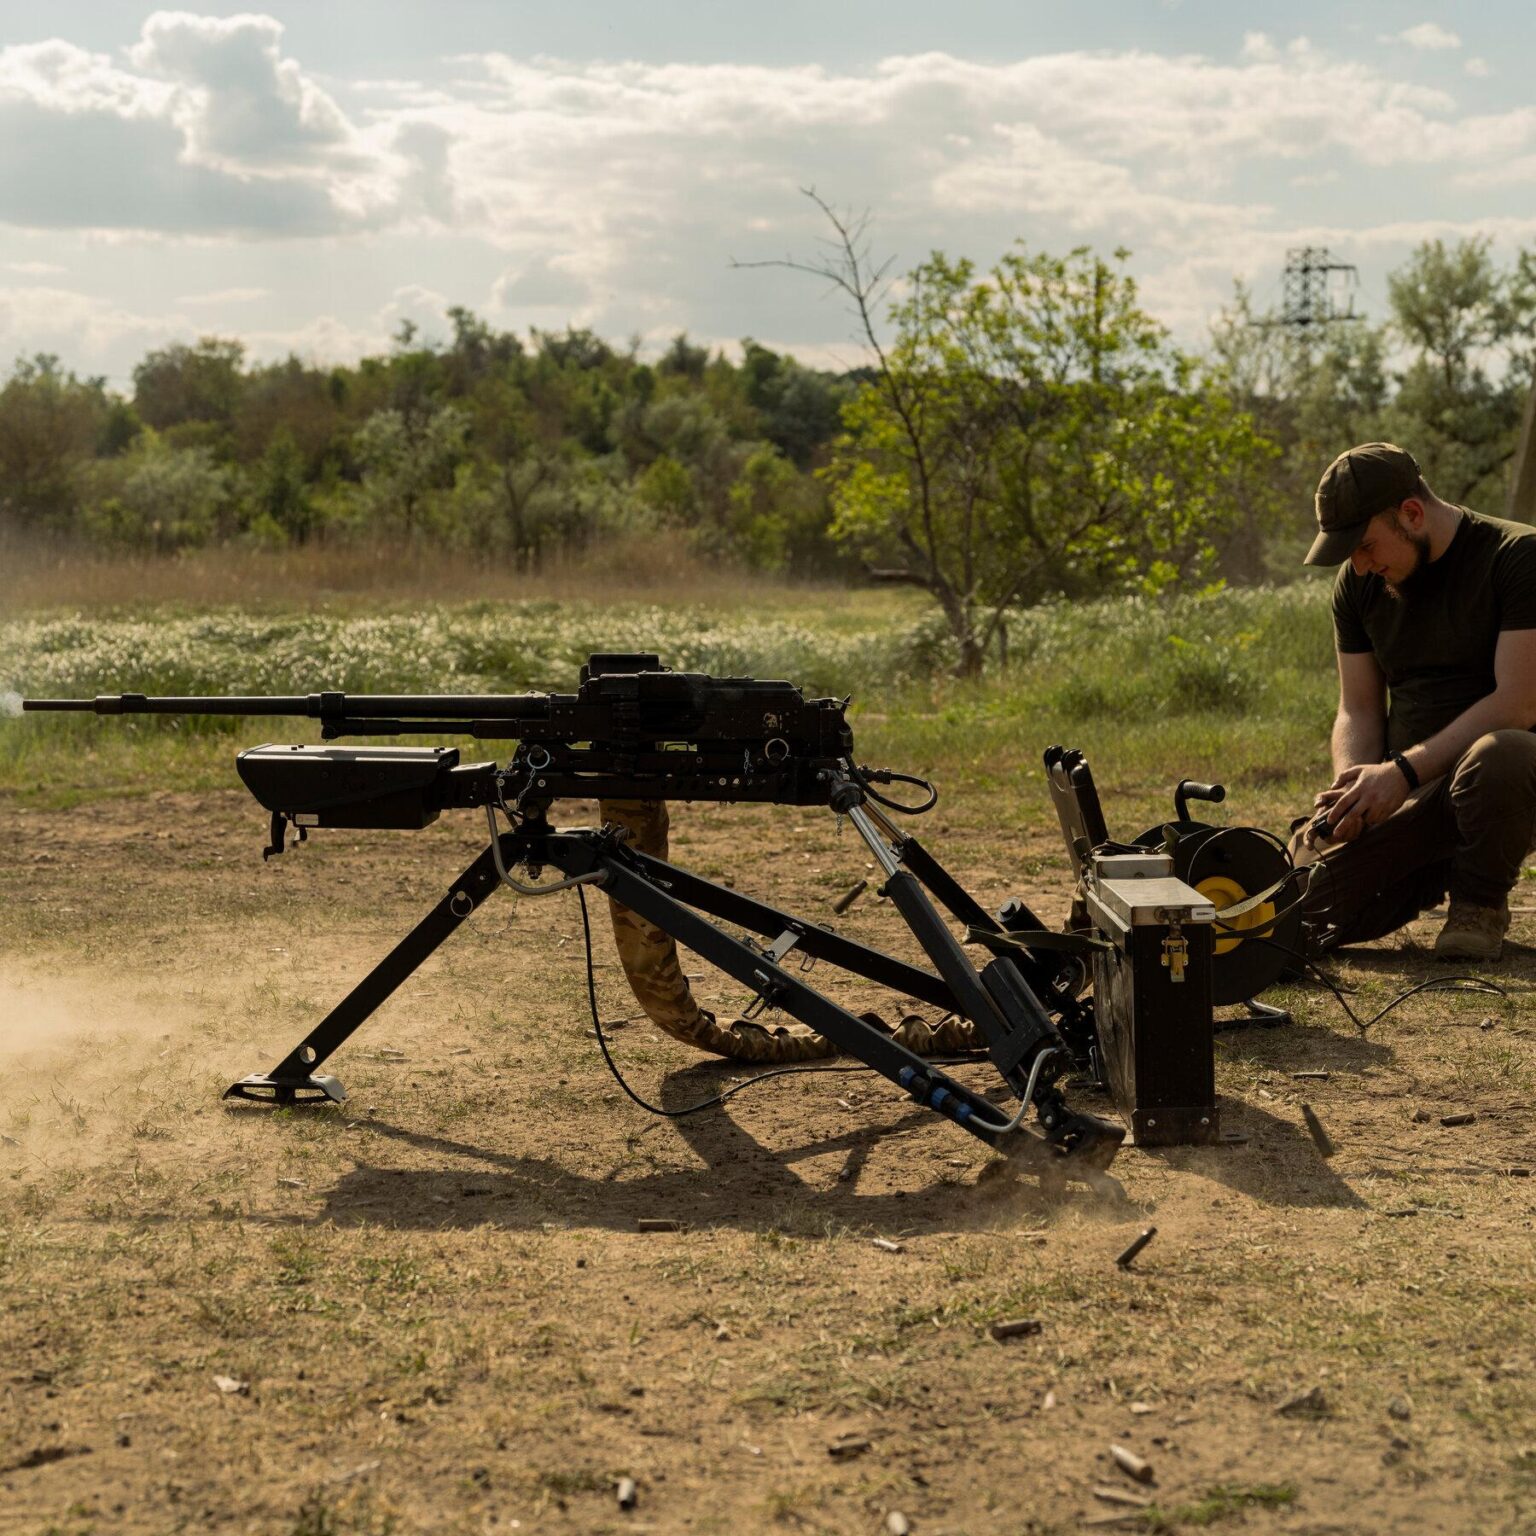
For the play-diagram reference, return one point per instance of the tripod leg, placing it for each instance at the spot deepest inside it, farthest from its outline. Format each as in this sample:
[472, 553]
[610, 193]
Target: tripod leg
[927, 1084]
[294, 1078]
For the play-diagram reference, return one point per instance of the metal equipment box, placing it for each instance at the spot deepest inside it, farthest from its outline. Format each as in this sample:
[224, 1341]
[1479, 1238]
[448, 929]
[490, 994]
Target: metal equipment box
[1152, 1002]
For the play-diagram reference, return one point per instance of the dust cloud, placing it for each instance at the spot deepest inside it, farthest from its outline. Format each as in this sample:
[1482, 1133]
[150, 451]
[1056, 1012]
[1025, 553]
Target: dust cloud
[35, 1014]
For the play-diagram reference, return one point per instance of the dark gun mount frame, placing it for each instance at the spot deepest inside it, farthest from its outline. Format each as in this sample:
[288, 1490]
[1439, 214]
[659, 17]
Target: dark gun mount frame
[637, 731]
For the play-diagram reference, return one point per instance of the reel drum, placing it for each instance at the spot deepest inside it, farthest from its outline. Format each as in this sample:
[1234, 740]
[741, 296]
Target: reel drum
[1229, 865]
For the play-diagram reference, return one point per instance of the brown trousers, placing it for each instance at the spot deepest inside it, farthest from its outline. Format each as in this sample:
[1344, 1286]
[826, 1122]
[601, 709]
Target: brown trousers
[1467, 833]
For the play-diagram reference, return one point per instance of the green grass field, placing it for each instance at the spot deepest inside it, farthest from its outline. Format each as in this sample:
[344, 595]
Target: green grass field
[1237, 684]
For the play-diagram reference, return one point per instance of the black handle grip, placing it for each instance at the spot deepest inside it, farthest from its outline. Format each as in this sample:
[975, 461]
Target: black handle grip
[1192, 789]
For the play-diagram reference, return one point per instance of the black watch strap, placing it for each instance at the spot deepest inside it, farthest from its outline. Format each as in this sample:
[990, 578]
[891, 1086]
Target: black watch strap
[1407, 769]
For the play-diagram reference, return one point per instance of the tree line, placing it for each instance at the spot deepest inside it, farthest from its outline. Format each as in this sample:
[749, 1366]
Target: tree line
[1022, 430]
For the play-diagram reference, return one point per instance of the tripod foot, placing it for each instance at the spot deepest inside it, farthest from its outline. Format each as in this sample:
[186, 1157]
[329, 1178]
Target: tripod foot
[261, 1089]
[1029, 1155]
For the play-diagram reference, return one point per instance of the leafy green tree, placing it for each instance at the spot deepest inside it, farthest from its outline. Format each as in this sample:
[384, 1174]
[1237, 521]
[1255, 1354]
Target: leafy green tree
[799, 408]
[667, 489]
[684, 360]
[280, 493]
[778, 517]
[404, 461]
[1311, 393]
[1463, 325]
[477, 351]
[162, 497]
[1028, 430]
[51, 425]
[292, 399]
[1469, 327]
[192, 392]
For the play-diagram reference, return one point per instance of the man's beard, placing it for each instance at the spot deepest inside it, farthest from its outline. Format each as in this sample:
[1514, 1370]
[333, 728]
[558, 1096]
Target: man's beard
[1403, 590]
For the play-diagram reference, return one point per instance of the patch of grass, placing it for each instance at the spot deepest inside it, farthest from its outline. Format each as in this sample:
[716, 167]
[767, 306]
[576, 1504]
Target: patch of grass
[562, 1482]
[297, 1263]
[356, 1514]
[1218, 1504]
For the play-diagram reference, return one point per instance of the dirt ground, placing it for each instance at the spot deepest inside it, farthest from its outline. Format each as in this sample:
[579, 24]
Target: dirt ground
[432, 1309]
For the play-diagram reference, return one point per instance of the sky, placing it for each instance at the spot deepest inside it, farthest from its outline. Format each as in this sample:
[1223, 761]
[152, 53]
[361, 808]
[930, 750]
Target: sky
[305, 177]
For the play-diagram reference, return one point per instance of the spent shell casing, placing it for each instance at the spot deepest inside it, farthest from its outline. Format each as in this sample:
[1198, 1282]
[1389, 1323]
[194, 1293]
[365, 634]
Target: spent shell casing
[1016, 1328]
[1146, 1236]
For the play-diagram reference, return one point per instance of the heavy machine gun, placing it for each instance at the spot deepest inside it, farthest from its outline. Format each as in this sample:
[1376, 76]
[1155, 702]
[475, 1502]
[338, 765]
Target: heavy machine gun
[636, 732]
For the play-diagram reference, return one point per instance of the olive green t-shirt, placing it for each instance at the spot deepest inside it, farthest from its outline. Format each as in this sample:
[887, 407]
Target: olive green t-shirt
[1435, 643]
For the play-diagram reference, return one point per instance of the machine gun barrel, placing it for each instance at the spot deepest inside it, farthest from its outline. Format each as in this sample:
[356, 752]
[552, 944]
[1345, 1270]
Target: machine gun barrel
[625, 701]
[530, 707]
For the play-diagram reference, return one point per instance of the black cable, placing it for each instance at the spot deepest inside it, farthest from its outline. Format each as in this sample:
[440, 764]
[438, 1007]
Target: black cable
[1217, 833]
[889, 776]
[1433, 984]
[718, 1098]
[1455, 983]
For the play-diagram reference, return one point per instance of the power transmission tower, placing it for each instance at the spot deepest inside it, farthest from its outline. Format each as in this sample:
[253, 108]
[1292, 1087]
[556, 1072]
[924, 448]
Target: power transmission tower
[1308, 286]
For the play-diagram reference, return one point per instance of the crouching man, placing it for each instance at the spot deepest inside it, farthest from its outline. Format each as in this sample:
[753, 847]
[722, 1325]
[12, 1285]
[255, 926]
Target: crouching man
[1434, 760]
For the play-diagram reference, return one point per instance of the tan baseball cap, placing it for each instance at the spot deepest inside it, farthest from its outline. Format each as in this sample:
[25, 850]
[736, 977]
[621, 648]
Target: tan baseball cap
[1361, 482]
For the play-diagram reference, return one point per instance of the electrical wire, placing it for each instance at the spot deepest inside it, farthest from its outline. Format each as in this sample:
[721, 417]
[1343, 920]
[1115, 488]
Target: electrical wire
[1456, 983]
[592, 877]
[889, 776]
[1433, 984]
[1027, 1102]
[1453, 983]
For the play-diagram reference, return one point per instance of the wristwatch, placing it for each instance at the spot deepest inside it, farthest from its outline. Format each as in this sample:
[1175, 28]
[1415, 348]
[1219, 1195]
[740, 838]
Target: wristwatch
[1407, 769]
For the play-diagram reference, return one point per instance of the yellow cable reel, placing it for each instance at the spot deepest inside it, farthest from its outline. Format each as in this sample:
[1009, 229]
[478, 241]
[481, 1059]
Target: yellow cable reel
[1222, 892]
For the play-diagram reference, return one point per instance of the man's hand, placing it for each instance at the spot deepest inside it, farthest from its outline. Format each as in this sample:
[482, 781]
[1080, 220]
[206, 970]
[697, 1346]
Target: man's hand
[1318, 829]
[1362, 796]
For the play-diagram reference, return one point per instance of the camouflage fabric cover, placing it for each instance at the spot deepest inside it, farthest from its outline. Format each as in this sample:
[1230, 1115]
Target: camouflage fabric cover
[649, 958]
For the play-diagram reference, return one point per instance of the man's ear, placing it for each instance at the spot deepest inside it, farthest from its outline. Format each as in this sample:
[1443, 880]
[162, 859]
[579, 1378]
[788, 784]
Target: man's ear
[1412, 514]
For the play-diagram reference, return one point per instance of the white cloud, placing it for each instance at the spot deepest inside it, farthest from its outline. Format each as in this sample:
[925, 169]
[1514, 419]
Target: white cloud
[322, 340]
[542, 283]
[1478, 68]
[210, 131]
[35, 268]
[224, 296]
[240, 103]
[616, 194]
[1430, 37]
[77, 326]
[622, 191]
[421, 308]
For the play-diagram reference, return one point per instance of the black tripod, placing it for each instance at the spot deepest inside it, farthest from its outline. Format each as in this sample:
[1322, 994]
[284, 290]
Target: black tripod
[1003, 998]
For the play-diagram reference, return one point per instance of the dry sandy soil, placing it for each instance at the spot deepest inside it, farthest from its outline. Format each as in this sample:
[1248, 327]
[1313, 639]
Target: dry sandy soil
[432, 1308]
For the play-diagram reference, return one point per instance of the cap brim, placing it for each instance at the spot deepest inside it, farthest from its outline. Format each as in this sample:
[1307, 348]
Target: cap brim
[1336, 545]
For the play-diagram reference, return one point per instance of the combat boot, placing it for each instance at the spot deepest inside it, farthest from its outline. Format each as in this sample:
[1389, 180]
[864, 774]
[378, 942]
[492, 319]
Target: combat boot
[1473, 933]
